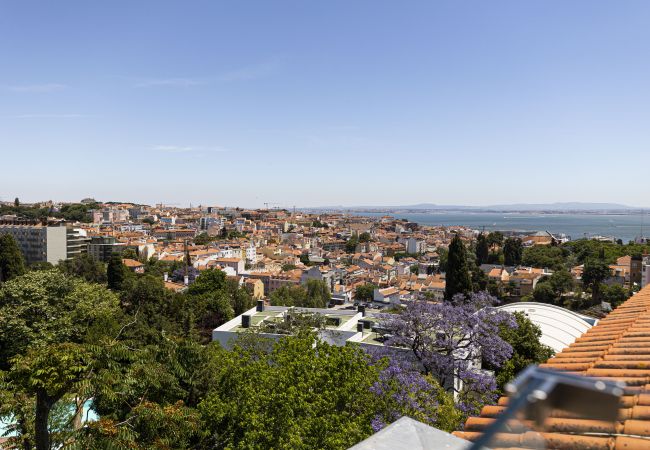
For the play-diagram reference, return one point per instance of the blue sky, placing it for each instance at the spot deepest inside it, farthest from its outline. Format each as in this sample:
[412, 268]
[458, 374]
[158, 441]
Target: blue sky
[325, 103]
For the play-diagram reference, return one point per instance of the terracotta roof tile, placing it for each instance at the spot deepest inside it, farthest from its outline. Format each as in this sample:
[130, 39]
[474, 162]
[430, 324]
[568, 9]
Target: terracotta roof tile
[617, 348]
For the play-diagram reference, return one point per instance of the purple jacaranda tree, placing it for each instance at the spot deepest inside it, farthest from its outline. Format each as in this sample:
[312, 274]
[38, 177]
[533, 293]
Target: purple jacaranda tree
[179, 274]
[403, 390]
[449, 340]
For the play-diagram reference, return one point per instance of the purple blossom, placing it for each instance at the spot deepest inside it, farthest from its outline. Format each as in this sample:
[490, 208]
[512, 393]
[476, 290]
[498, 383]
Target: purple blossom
[404, 391]
[179, 274]
[448, 341]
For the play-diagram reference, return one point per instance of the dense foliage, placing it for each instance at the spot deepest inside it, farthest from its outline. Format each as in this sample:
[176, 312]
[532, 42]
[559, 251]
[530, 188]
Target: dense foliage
[466, 328]
[74, 212]
[142, 353]
[12, 263]
[365, 292]
[314, 295]
[458, 279]
[526, 349]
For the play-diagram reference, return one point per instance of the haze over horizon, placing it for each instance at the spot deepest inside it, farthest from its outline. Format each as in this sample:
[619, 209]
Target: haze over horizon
[317, 104]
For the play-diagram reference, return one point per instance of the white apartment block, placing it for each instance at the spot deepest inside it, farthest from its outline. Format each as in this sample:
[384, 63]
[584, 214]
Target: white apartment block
[41, 243]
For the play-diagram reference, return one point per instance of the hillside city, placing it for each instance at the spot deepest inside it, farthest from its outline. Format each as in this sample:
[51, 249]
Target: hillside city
[213, 284]
[266, 249]
[324, 225]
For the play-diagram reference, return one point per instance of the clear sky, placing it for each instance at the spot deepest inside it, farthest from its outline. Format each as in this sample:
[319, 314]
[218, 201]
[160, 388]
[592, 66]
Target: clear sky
[314, 103]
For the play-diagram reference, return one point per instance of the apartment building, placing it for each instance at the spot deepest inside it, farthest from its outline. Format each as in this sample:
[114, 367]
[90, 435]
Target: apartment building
[45, 243]
[102, 247]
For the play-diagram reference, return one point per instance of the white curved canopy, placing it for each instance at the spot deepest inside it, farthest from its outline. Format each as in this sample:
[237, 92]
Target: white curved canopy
[560, 327]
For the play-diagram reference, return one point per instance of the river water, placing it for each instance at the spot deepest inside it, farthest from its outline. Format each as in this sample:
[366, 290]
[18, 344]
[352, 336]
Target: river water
[620, 226]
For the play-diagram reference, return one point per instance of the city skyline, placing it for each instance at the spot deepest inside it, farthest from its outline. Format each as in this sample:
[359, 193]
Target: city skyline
[313, 105]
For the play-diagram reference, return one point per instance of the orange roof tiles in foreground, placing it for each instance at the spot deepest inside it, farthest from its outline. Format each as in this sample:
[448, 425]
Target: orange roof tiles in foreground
[617, 348]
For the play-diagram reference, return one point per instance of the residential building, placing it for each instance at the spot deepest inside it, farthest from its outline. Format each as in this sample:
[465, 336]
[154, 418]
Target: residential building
[207, 222]
[390, 295]
[45, 243]
[251, 253]
[414, 245]
[133, 265]
[77, 242]
[109, 215]
[102, 247]
[645, 271]
[236, 264]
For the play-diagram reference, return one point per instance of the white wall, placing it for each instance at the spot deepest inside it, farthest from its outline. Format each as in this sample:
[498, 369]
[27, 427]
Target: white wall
[57, 248]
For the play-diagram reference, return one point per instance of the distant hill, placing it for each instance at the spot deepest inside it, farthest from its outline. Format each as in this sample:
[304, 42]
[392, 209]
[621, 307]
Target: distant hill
[568, 206]
[559, 207]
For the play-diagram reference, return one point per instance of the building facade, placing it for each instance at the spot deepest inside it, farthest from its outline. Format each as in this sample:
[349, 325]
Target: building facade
[43, 243]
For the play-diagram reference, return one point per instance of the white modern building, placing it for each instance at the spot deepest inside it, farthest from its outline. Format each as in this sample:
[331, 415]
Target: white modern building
[340, 325]
[414, 245]
[43, 243]
[560, 327]
[251, 253]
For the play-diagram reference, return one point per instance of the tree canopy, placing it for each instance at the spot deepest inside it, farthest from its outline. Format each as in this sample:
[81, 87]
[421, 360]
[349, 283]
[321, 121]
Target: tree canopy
[464, 328]
[315, 294]
[52, 328]
[458, 279]
[482, 249]
[526, 348]
[12, 262]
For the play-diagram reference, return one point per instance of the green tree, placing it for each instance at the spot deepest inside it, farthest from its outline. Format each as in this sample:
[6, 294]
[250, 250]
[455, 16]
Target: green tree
[544, 293]
[318, 294]
[208, 281]
[12, 263]
[443, 257]
[351, 244]
[458, 278]
[365, 237]
[614, 294]
[148, 399]
[203, 239]
[512, 252]
[41, 265]
[594, 273]
[480, 280]
[482, 249]
[315, 294]
[289, 296]
[365, 292]
[526, 348]
[304, 394]
[86, 267]
[220, 296]
[129, 253]
[562, 282]
[154, 309]
[16, 202]
[51, 329]
[544, 256]
[495, 239]
[116, 272]
[304, 258]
